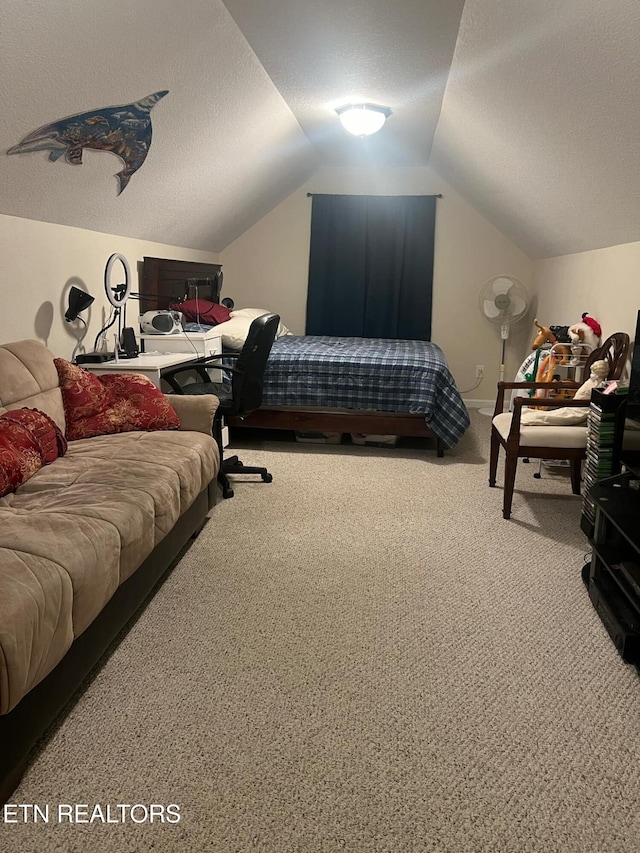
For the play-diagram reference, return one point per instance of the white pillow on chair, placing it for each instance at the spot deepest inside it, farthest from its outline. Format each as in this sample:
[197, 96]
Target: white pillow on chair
[543, 434]
[567, 416]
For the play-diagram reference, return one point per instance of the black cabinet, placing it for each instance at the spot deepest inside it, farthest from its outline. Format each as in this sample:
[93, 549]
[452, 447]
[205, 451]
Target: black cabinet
[605, 427]
[613, 575]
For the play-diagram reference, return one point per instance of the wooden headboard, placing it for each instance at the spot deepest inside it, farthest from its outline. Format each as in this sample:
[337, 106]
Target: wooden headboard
[164, 281]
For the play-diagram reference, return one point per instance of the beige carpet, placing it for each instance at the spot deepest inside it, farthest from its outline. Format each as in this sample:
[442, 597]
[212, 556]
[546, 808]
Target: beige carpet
[361, 656]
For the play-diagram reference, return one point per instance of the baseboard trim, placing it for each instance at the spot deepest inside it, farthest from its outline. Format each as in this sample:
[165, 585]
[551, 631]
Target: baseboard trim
[480, 404]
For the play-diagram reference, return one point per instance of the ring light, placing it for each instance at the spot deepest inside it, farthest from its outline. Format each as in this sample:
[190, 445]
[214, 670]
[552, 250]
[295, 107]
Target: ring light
[115, 297]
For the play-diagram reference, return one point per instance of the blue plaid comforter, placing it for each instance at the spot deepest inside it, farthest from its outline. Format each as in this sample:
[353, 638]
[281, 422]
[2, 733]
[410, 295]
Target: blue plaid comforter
[367, 374]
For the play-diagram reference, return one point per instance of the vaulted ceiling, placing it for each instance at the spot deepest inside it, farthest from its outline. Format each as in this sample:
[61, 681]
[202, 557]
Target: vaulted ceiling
[529, 110]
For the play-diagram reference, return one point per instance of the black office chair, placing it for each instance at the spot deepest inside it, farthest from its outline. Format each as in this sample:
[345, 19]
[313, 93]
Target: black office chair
[239, 397]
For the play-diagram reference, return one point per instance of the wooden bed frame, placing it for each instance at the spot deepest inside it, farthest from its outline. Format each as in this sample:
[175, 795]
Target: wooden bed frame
[162, 279]
[327, 420]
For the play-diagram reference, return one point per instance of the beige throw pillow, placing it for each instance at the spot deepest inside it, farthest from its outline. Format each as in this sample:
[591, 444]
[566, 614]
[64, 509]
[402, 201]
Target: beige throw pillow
[234, 331]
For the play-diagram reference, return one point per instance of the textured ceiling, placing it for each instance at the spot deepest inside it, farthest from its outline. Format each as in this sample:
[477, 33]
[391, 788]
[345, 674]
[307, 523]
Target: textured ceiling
[225, 146]
[328, 53]
[529, 109]
[540, 127]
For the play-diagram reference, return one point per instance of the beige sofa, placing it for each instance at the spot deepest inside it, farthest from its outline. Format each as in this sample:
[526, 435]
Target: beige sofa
[83, 543]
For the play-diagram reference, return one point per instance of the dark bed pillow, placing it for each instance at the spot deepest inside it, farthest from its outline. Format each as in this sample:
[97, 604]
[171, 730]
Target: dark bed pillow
[203, 311]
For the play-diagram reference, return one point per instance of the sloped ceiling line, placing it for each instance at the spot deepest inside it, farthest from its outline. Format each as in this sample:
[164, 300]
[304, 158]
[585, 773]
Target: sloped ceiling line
[527, 109]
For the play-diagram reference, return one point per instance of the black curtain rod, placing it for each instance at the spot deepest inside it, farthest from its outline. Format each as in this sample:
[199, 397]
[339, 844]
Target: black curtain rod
[435, 195]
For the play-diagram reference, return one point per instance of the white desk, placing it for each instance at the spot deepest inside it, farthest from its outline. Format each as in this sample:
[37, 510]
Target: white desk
[202, 343]
[149, 364]
[198, 344]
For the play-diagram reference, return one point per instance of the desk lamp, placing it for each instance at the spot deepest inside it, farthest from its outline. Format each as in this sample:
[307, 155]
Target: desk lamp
[78, 301]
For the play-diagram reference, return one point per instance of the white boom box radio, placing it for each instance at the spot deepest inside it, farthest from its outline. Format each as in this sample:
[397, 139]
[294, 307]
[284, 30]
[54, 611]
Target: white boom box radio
[161, 322]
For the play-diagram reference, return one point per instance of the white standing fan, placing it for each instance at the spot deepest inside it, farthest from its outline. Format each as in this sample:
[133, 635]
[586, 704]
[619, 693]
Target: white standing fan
[503, 300]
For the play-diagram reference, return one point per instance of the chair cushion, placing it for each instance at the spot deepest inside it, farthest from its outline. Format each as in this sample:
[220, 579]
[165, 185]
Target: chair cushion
[543, 436]
[222, 391]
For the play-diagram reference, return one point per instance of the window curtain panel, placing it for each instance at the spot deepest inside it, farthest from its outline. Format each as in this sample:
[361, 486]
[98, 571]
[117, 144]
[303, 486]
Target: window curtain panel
[371, 266]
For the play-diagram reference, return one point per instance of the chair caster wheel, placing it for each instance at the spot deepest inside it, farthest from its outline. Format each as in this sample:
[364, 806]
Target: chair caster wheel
[227, 493]
[537, 476]
[267, 478]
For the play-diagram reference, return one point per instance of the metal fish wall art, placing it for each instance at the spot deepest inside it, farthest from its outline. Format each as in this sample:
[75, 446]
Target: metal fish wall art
[123, 130]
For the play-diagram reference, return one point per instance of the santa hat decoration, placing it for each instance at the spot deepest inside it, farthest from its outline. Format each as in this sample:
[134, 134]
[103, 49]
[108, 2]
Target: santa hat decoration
[593, 324]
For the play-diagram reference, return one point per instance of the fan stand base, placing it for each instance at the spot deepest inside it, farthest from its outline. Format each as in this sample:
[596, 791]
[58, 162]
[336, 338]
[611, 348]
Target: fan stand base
[504, 336]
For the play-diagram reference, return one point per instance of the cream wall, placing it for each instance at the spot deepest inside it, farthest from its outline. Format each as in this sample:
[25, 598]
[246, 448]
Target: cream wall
[39, 262]
[603, 282]
[268, 265]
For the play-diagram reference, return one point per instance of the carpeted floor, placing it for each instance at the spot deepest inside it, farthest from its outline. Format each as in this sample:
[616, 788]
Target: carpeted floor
[361, 656]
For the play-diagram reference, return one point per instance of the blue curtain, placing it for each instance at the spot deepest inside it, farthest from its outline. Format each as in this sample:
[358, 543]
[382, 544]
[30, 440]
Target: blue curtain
[371, 266]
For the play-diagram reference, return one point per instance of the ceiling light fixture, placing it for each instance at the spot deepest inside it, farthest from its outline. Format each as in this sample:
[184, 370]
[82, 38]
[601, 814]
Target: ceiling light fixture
[363, 119]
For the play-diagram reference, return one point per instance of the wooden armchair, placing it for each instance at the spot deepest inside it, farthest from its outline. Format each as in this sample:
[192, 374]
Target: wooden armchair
[547, 442]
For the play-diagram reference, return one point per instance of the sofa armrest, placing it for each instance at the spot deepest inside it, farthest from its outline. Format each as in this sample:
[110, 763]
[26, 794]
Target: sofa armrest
[196, 412]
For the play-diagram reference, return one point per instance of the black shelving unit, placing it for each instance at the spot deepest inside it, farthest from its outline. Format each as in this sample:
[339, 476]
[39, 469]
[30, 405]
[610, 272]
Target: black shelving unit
[605, 429]
[613, 575]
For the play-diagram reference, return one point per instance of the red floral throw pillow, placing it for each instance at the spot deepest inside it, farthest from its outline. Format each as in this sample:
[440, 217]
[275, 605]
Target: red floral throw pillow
[117, 402]
[203, 311]
[29, 439]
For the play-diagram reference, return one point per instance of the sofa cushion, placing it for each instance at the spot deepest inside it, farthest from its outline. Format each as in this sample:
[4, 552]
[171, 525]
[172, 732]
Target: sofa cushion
[119, 402]
[28, 377]
[77, 530]
[35, 622]
[77, 544]
[140, 482]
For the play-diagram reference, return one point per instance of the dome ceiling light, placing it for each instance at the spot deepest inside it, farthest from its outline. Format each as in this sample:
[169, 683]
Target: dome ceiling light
[363, 119]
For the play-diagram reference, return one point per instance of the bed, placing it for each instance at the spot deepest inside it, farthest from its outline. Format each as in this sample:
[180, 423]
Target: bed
[354, 385]
[361, 385]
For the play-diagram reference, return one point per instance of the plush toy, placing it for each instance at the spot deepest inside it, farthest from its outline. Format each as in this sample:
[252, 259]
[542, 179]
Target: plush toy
[547, 372]
[597, 378]
[550, 335]
[561, 334]
[585, 337]
[563, 353]
[544, 336]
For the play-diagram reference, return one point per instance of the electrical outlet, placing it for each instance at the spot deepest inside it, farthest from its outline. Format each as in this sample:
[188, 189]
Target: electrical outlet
[479, 371]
